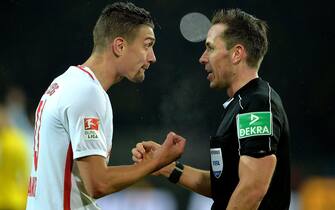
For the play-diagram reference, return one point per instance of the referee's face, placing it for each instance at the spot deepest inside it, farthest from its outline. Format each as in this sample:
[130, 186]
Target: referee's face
[216, 59]
[139, 54]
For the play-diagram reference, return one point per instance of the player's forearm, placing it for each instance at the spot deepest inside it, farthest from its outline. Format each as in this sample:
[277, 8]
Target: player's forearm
[193, 179]
[119, 177]
[101, 180]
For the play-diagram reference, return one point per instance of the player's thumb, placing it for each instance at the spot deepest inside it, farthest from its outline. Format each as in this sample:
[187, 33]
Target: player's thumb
[150, 145]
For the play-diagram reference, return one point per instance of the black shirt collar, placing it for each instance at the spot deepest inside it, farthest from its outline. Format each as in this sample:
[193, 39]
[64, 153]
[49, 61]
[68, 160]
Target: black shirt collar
[252, 83]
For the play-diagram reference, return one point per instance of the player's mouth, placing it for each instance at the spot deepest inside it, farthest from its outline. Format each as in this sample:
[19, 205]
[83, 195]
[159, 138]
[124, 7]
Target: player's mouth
[144, 68]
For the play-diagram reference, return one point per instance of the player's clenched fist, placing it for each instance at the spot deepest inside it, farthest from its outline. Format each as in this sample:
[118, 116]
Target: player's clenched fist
[171, 149]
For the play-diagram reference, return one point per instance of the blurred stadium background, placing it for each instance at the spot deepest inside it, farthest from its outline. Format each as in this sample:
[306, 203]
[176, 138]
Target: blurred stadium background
[41, 39]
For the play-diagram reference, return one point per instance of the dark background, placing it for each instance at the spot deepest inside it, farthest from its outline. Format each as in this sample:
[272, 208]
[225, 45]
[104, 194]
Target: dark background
[41, 39]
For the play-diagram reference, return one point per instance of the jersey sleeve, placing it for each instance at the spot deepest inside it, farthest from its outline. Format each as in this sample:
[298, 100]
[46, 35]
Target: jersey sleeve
[258, 127]
[84, 115]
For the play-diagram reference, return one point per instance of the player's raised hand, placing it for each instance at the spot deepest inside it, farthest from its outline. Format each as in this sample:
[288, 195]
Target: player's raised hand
[171, 149]
[138, 153]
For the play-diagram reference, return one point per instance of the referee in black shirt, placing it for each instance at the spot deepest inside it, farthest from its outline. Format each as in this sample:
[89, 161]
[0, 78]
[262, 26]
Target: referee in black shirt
[250, 163]
[250, 143]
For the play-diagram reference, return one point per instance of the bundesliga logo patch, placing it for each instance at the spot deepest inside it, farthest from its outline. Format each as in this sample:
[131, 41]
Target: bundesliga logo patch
[91, 127]
[91, 123]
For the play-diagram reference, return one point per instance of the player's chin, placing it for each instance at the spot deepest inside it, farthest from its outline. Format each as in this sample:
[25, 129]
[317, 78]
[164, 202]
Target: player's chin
[138, 78]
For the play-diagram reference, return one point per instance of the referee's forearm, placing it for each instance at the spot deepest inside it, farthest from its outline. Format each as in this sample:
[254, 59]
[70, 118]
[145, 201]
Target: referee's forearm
[193, 179]
[196, 180]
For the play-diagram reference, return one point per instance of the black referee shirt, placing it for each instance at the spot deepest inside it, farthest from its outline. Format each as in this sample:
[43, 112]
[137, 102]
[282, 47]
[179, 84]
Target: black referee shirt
[254, 124]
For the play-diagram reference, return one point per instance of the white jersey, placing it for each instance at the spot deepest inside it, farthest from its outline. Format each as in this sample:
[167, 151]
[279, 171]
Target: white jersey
[73, 120]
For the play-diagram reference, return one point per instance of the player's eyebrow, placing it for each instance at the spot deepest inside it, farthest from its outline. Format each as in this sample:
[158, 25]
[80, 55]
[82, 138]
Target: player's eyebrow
[151, 39]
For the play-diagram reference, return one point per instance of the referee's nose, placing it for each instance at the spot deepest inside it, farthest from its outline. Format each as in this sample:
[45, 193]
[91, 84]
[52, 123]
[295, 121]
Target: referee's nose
[204, 58]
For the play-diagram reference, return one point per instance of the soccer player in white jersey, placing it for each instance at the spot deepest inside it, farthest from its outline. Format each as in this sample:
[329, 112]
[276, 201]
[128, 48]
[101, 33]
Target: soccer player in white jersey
[74, 119]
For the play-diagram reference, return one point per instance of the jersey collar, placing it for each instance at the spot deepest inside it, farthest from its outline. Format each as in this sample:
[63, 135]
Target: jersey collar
[87, 71]
[226, 104]
[247, 86]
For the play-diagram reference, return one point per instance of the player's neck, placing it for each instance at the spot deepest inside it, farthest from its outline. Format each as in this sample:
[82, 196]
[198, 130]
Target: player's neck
[103, 70]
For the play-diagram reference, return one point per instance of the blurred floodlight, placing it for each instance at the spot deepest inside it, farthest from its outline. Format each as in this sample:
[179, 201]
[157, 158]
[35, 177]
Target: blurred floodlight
[194, 26]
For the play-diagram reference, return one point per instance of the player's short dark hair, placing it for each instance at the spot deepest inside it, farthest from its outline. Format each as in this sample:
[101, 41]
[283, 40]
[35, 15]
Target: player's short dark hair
[119, 19]
[243, 28]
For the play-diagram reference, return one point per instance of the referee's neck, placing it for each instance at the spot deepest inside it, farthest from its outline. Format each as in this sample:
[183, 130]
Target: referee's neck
[243, 77]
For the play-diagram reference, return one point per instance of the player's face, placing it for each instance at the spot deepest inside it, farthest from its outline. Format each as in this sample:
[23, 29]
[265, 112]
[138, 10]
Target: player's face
[217, 59]
[140, 54]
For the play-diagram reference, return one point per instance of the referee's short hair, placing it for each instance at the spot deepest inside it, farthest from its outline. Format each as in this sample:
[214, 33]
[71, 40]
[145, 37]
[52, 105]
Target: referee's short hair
[245, 29]
[119, 19]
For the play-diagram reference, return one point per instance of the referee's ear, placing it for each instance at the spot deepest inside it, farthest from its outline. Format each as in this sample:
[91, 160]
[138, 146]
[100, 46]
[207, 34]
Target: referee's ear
[238, 54]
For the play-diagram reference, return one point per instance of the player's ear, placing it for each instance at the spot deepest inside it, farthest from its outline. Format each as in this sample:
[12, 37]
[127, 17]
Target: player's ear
[118, 46]
[238, 54]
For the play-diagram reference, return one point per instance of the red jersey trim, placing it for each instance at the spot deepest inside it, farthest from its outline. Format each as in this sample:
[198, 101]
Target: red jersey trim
[67, 178]
[84, 70]
[38, 124]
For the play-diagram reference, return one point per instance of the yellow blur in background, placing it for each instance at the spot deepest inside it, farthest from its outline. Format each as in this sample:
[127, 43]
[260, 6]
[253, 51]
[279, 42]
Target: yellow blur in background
[14, 167]
[318, 193]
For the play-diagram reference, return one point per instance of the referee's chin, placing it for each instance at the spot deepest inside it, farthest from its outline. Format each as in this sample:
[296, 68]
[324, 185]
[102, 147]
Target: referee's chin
[213, 85]
[217, 85]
